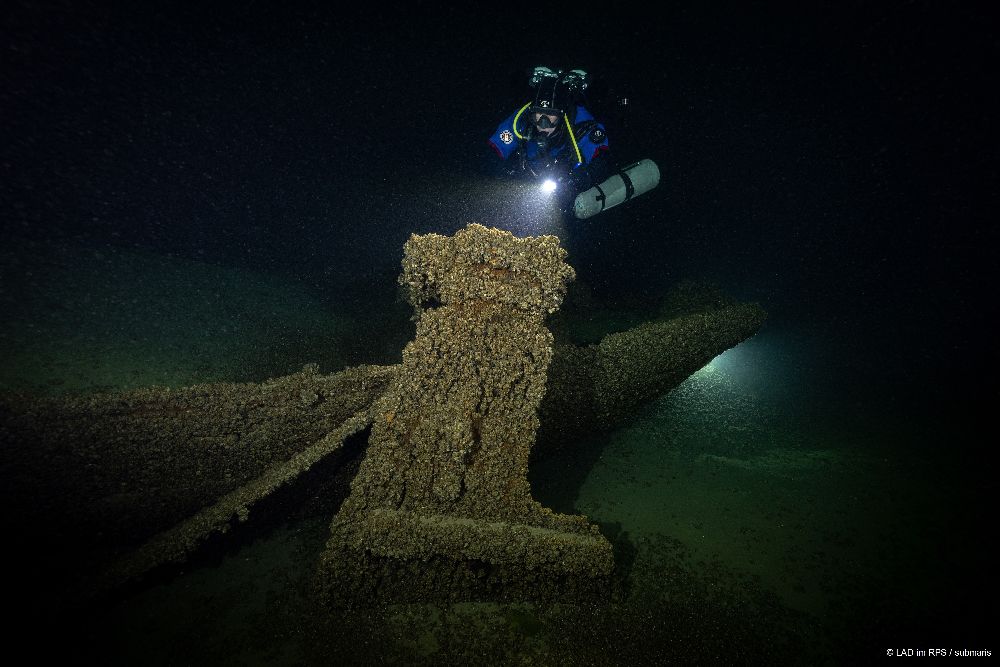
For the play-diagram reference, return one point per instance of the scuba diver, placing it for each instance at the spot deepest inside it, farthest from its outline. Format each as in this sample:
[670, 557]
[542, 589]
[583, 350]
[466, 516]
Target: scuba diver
[554, 137]
[556, 140]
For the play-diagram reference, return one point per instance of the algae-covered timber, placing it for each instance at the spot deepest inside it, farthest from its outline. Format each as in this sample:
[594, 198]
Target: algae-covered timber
[138, 478]
[441, 508]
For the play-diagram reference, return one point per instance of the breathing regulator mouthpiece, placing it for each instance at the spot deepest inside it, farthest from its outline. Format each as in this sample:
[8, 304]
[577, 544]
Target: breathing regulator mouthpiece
[544, 123]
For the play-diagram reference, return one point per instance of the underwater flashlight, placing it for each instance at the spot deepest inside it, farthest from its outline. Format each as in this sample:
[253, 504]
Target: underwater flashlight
[548, 186]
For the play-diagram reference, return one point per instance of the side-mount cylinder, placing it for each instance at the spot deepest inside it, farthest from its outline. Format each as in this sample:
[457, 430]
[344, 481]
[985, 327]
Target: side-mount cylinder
[632, 181]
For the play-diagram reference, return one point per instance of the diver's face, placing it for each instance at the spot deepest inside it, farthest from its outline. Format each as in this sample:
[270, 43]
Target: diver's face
[546, 123]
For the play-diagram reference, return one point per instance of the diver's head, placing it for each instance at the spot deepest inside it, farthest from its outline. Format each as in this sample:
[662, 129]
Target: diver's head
[546, 113]
[546, 121]
[556, 93]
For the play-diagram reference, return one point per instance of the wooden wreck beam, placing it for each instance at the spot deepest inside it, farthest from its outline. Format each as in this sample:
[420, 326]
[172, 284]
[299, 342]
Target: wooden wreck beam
[441, 508]
[109, 472]
[595, 388]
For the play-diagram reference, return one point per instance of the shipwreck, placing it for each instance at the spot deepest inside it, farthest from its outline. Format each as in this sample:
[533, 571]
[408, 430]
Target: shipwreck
[438, 506]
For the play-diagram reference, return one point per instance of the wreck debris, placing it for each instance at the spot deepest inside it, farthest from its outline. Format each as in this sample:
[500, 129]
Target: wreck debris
[109, 472]
[179, 542]
[441, 507]
[141, 478]
[596, 387]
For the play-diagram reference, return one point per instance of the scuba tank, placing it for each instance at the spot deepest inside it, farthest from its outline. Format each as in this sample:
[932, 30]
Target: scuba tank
[628, 182]
[631, 181]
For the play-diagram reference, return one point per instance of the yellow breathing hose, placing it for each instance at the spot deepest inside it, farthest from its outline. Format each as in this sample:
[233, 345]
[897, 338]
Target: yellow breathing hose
[579, 158]
[569, 129]
[516, 116]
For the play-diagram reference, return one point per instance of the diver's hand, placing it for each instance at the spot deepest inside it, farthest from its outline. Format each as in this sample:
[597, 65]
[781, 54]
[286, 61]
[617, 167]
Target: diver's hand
[580, 179]
[566, 179]
[565, 193]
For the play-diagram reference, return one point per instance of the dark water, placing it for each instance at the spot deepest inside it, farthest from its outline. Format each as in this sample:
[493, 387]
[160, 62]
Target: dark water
[183, 189]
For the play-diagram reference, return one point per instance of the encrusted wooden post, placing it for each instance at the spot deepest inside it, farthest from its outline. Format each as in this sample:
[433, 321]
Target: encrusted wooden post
[441, 507]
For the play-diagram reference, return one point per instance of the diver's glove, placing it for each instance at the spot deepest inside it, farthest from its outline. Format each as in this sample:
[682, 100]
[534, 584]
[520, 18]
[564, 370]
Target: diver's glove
[493, 166]
[565, 192]
[580, 178]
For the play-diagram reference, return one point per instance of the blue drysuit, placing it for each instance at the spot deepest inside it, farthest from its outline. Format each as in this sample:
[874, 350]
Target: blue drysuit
[584, 169]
